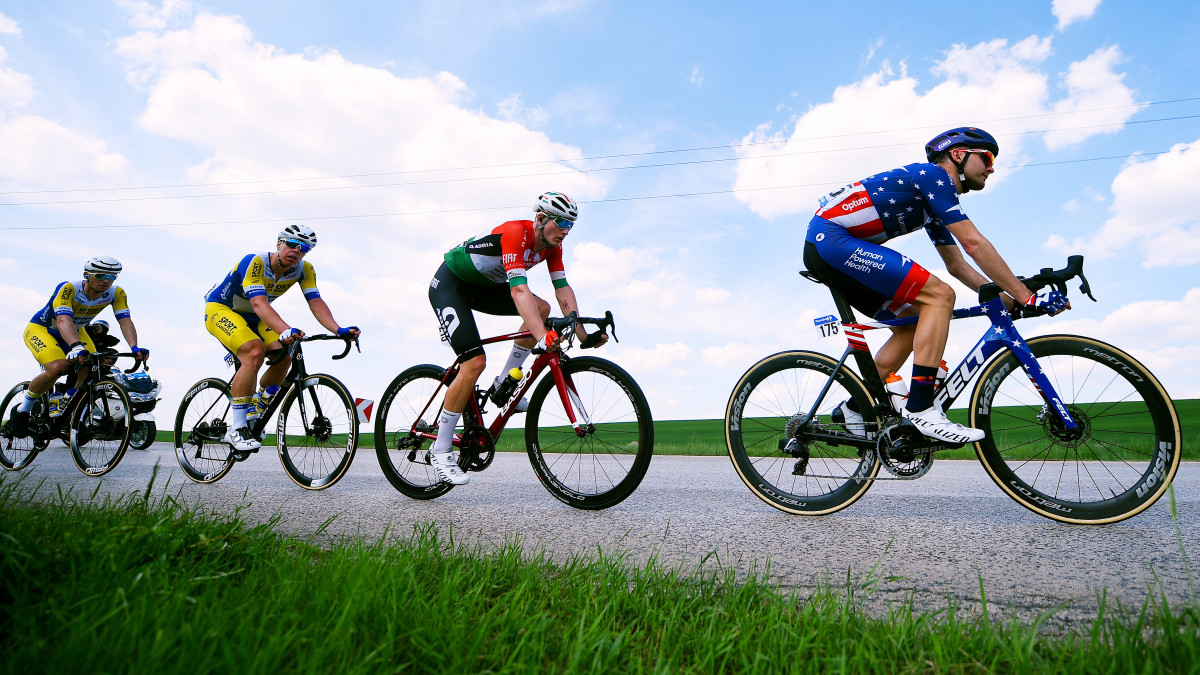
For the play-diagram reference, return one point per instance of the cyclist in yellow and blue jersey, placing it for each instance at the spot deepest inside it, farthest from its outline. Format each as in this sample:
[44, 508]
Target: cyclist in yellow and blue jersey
[56, 337]
[238, 313]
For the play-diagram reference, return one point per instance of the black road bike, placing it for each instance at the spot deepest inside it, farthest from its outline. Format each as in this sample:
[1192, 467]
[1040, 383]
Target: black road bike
[95, 422]
[1077, 430]
[316, 433]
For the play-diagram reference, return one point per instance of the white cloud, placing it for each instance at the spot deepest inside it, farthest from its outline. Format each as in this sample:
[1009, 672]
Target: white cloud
[1070, 11]
[16, 89]
[843, 139]
[512, 109]
[8, 26]
[696, 78]
[1153, 212]
[1092, 85]
[144, 15]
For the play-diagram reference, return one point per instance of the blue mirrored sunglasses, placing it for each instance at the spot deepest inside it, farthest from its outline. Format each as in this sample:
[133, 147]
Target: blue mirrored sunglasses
[292, 243]
[104, 277]
[563, 224]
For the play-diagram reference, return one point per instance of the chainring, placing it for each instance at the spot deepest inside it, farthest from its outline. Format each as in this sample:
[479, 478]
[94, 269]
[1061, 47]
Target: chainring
[476, 448]
[904, 451]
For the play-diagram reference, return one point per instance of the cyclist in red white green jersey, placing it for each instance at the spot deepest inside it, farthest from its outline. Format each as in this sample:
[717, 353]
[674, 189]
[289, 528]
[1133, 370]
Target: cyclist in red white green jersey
[488, 273]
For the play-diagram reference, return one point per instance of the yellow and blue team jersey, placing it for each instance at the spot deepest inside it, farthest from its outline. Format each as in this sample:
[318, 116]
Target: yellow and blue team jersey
[69, 299]
[252, 277]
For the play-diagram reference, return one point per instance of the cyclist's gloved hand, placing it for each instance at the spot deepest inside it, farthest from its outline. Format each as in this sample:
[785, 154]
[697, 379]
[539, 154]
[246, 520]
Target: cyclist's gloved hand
[78, 349]
[140, 353]
[1049, 301]
[290, 334]
[352, 331]
[550, 339]
[593, 340]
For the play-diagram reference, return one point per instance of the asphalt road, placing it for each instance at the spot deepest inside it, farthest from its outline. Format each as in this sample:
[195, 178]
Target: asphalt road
[929, 539]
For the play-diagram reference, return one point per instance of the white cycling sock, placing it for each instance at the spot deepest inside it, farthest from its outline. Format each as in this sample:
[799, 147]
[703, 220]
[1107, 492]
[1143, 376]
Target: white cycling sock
[516, 358]
[241, 406]
[26, 403]
[445, 437]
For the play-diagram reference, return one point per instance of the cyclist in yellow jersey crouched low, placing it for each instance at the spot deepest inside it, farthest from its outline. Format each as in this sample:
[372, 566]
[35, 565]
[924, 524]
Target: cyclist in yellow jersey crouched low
[238, 313]
[56, 337]
[488, 273]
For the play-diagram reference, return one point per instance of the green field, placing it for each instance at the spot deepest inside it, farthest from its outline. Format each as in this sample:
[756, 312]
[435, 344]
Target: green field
[707, 437]
[144, 584]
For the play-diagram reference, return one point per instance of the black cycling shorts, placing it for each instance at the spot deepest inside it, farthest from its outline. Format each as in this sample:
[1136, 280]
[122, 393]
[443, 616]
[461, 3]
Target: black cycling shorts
[454, 300]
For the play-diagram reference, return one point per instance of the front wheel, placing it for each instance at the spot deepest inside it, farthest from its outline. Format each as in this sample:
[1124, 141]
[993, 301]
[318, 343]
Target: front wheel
[100, 424]
[204, 417]
[600, 459]
[17, 452]
[770, 441]
[1118, 461]
[407, 409]
[317, 432]
[143, 434]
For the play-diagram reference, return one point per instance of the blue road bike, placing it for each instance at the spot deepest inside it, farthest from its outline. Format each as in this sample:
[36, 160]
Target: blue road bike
[1077, 430]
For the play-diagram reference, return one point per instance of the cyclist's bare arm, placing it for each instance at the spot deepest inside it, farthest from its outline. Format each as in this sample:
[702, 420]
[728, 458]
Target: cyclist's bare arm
[66, 328]
[128, 330]
[567, 304]
[959, 268]
[527, 308]
[985, 255]
[268, 314]
[324, 316]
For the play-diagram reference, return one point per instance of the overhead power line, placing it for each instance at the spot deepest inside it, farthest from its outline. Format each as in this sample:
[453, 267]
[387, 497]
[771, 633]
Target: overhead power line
[649, 153]
[431, 212]
[332, 188]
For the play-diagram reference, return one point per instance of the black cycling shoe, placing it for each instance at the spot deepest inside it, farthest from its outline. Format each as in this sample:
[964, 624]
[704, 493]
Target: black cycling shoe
[18, 423]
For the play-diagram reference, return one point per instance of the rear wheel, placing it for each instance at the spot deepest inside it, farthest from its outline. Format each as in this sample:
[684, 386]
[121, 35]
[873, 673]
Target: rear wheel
[203, 419]
[599, 461]
[17, 452]
[100, 424]
[768, 441]
[318, 432]
[1118, 461]
[408, 404]
[143, 434]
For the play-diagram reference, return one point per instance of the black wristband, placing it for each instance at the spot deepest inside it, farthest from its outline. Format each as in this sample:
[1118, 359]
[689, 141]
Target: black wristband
[77, 344]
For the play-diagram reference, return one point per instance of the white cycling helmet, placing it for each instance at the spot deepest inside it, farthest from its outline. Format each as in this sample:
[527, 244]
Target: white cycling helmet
[556, 205]
[102, 265]
[301, 233]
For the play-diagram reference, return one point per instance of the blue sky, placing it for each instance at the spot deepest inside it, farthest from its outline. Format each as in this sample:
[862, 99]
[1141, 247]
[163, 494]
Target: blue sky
[371, 120]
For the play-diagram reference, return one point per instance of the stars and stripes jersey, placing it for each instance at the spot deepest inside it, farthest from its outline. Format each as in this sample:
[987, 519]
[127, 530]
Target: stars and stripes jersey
[69, 299]
[897, 202]
[253, 276]
[503, 256]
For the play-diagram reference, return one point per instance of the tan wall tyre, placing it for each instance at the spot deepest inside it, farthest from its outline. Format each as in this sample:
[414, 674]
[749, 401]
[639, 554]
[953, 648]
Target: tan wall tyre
[401, 455]
[317, 432]
[812, 478]
[1118, 463]
[602, 467]
[204, 416]
[16, 453]
[99, 428]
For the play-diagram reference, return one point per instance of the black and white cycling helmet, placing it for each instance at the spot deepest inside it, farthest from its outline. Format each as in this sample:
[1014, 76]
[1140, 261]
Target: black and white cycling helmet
[301, 233]
[102, 265]
[556, 205]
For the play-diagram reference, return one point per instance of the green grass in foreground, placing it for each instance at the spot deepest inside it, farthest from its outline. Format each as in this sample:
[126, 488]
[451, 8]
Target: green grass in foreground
[145, 585]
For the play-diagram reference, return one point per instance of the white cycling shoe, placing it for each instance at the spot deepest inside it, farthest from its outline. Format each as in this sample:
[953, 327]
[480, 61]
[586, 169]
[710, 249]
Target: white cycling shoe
[851, 421]
[447, 468]
[932, 423]
[241, 439]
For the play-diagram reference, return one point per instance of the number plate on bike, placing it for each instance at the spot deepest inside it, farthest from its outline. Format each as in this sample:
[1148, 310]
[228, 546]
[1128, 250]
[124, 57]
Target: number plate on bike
[827, 326]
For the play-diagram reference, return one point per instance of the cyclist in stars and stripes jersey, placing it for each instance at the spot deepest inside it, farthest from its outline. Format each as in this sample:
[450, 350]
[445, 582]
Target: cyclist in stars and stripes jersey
[843, 248]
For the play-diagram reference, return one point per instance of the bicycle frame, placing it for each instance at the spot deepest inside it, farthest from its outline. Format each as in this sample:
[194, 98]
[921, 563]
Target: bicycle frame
[551, 360]
[1002, 335]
